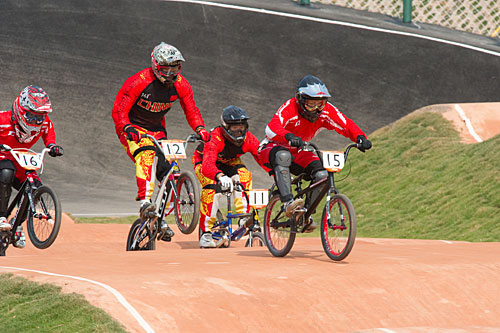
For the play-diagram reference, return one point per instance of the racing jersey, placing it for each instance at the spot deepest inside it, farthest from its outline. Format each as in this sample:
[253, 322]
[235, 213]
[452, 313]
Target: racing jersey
[8, 136]
[288, 120]
[218, 151]
[143, 101]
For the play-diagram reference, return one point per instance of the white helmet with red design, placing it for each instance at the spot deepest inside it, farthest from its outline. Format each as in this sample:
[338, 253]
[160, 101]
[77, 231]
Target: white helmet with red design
[29, 111]
[166, 62]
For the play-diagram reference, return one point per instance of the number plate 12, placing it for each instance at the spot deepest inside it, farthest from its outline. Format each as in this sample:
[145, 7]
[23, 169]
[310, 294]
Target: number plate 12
[174, 149]
[333, 161]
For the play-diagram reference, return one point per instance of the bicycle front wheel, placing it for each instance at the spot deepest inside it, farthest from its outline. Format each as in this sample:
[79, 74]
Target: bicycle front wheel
[187, 208]
[257, 240]
[338, 233]
[44, 223]
[140, 239]
[279, 231]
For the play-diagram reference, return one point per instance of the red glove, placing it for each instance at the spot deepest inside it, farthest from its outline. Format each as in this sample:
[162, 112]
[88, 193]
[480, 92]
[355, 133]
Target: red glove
[205, 135]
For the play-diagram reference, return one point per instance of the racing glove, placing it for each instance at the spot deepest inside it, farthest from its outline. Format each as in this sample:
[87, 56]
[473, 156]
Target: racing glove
[365, 144]
[294, 141]
[226, 182]
[205, 135]
[132, 133]
[55, 150]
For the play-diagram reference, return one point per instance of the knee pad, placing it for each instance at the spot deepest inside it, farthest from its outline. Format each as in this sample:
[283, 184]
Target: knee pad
[318, 175]
[283, 158]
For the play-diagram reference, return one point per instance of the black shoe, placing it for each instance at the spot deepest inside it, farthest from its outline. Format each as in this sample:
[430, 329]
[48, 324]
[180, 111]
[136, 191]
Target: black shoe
[311, 226]
[147, 210]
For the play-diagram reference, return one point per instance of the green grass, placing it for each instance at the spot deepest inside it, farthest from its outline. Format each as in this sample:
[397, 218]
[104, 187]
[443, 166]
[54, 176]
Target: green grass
[419, 181]
[27, 306]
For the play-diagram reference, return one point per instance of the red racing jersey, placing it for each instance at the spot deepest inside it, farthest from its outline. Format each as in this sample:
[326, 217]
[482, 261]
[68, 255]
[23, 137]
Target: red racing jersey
[7, 134]
[143, 101]
[288, 120]
[219, 151]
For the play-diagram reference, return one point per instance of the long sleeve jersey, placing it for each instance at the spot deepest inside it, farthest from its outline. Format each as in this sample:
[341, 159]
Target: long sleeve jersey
[219, 151]
[288, 120]
[143, 101]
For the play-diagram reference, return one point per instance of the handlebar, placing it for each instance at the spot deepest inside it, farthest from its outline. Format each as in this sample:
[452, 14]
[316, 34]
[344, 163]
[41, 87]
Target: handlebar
[189, 139]
[309, 146]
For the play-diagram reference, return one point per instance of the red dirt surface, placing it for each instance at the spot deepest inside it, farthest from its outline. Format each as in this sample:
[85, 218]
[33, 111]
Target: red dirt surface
[385, 285]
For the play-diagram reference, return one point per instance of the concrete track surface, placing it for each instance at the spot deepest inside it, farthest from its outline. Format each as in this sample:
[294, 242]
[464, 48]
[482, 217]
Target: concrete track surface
[82, 51]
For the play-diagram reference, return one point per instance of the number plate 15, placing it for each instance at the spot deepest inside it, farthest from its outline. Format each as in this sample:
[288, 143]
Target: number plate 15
[333, 161]
[258, 198]
[29, 160]
[174, 149]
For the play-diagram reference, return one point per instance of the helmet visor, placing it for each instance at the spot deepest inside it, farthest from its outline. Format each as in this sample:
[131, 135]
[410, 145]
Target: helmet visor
[33, 118]
[314, 105]
[170, 70]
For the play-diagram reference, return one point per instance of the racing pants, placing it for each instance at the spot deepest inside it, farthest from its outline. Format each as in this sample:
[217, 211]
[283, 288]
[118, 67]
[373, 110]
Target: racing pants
[211, 191]
[143, 155]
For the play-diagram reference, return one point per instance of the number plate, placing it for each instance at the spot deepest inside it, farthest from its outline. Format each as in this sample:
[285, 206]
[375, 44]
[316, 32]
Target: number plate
[28, 160]
[174, 149]
[333, 161]
[258, 198]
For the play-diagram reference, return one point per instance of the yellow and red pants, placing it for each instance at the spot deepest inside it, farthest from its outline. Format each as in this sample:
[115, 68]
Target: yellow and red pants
[143, 155]
[210, 191]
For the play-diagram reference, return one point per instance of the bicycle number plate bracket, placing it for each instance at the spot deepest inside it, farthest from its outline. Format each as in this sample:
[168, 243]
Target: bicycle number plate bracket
[333, 161]
[28, 160]
[258, 198]
[174, 149]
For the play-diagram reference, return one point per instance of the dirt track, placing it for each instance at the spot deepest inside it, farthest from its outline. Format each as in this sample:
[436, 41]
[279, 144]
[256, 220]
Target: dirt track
[390, 284]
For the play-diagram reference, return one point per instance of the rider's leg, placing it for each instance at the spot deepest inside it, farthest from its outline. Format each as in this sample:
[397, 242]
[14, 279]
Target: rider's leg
[208, 207]
[240, 201]
[281, 160]
[6, 178]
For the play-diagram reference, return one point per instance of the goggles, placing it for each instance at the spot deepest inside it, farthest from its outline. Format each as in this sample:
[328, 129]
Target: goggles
[33, 118]
[314, 105]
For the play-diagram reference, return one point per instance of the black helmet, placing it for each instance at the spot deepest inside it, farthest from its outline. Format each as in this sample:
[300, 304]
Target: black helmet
[233, 115]
[311, 88]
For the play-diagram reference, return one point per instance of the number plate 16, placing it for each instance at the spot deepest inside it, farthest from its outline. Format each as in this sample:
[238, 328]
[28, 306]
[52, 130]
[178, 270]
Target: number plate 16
[258, 198]
[29, 160]
[174, 149]
[333, 161]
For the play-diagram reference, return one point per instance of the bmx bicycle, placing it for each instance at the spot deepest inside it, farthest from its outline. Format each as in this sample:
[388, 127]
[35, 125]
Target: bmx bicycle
[36, 203]
[178, 193]
[338, 220]
[222, 231]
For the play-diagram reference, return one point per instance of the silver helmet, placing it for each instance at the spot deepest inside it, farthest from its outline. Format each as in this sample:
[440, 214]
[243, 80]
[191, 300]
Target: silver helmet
[312, 96]
[166, 62]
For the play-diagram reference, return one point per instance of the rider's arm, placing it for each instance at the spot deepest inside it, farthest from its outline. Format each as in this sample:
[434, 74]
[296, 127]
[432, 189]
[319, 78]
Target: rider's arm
[48, 132]
[191, 111]
[341, 124]
[127, 96]
[210, 151]
[275, 130]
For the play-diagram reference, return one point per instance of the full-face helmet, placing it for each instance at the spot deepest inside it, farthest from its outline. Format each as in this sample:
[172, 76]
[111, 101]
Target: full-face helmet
[29, 111]
[234, 121]
[166, 62]
[312, 96]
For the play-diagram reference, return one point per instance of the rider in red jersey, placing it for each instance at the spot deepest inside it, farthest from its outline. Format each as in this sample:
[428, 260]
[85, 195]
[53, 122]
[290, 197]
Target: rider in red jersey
[140, 107]
[217, 164]
[22, 127]
[300, 119]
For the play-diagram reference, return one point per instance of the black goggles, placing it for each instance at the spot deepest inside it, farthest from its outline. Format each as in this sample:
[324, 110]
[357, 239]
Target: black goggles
[34, 118]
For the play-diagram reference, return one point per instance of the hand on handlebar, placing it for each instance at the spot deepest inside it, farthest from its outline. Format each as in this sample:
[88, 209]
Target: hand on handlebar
[55, 150]
[363, 143]
[132, 133]
[204, 134]
[294, 141]
[226, 182]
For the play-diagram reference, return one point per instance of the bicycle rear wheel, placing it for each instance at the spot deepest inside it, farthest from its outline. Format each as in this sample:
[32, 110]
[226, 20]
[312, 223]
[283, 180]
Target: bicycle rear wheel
[144, 240]
[45, 222]
[257, 240]
[279, 231]
[187, 208]
[338, 234]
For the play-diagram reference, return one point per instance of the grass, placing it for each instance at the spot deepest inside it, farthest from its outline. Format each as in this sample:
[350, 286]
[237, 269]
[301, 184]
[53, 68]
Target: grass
[419, 181]
[27, 306]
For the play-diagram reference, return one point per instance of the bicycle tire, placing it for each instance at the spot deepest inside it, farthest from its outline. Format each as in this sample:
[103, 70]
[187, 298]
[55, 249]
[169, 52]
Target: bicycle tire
[279, 241]
[148, 242]
[44, 224]
[187, 208]
[257, 241]
[338, 237]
